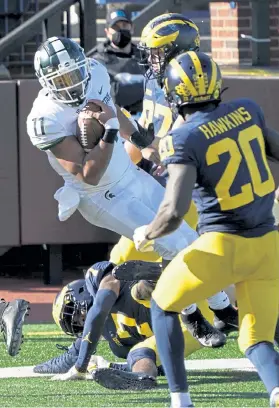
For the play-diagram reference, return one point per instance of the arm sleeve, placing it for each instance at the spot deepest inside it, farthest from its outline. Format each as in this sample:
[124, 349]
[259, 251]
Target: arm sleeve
[94, 325]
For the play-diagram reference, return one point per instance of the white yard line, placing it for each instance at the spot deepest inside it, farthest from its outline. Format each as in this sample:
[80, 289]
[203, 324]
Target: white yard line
[236, 364]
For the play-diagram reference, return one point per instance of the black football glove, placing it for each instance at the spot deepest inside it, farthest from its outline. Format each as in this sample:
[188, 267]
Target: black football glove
[142, 137]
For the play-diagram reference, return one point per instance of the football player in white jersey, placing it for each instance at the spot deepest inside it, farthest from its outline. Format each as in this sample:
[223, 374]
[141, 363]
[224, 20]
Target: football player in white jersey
[103, 184]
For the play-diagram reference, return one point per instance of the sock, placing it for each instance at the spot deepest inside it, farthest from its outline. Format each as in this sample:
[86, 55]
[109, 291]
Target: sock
[74, 349]
[170, 345]
[219, 301]
[190, 309]
[180, 400]
[266, 361]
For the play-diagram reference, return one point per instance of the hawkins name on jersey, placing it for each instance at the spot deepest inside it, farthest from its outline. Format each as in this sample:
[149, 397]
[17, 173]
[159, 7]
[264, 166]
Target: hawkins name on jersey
[50, 121]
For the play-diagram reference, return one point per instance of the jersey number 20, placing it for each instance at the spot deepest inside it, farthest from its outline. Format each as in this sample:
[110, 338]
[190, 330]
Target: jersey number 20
[237, 151]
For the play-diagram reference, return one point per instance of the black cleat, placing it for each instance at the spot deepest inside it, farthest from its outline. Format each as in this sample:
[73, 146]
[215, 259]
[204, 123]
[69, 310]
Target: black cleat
[226, 320]
[123, 380]
[11, 324]
[203, 331]
[137, 270]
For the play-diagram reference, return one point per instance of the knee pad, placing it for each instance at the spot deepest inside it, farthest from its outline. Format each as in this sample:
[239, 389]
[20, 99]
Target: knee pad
[138, 354]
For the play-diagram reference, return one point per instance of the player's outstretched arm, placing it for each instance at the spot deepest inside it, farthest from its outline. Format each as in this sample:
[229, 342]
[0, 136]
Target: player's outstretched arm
[176, 202]
[105, 298]
[140, 137]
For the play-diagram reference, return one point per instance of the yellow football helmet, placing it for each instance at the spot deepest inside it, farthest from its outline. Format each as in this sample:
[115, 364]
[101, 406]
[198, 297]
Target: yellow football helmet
[163, 38]
[192, 78]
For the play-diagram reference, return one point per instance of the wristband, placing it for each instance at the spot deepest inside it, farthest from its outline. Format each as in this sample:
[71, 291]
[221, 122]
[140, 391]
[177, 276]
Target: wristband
[110, 136]
[112, 123]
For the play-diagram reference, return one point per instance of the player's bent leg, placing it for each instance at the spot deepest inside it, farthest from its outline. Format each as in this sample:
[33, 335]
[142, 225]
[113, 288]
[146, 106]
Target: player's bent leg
[148, 348]
[206, 334]
[141, 372]
[125, 249]
[196, 273]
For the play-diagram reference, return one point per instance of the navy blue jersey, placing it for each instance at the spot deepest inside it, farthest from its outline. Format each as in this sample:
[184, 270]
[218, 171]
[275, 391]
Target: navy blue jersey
[234, 191]
[129, 322]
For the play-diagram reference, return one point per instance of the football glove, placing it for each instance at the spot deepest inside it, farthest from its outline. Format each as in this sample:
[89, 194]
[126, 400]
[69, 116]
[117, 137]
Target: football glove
[141, 243]
[143, 137]
[72, 375]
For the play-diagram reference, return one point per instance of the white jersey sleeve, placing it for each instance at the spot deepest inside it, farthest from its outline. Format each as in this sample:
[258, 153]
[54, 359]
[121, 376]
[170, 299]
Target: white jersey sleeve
[100, 84]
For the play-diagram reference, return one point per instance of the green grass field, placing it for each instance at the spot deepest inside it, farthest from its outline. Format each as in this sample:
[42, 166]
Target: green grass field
[212, 388]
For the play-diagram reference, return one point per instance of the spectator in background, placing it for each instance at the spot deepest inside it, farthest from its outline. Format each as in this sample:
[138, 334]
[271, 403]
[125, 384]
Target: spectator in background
[121, 56]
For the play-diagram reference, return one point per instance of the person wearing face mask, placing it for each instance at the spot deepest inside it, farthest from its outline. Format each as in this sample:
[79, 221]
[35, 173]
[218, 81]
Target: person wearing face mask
[120, 56]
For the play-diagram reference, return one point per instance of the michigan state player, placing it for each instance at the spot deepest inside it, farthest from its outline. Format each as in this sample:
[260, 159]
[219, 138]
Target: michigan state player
[163, 38]
[219, 153]
[100, 304]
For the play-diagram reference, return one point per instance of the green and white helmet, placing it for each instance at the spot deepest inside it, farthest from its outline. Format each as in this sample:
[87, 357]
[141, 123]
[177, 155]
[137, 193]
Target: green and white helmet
[63, 69]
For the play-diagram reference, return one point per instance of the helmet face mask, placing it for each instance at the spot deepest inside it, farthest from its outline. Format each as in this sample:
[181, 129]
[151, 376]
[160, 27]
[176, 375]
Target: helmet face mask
[65, 72]
[68, 85]
[71, 306]
[156, 61]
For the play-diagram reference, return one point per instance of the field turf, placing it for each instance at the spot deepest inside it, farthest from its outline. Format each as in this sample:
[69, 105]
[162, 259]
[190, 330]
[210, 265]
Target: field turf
[209, 388]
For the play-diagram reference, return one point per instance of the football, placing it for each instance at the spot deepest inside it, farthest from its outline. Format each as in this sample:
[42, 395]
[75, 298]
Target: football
[89, 130]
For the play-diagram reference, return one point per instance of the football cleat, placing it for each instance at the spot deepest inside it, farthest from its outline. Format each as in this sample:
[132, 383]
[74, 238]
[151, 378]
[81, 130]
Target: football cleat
[137, 270]
[226, 320]
[60, 364]
[123, 380]
[203, 331]
[11, 323]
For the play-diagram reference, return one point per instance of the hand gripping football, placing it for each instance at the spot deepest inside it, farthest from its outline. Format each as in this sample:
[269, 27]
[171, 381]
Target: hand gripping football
[89, 130]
